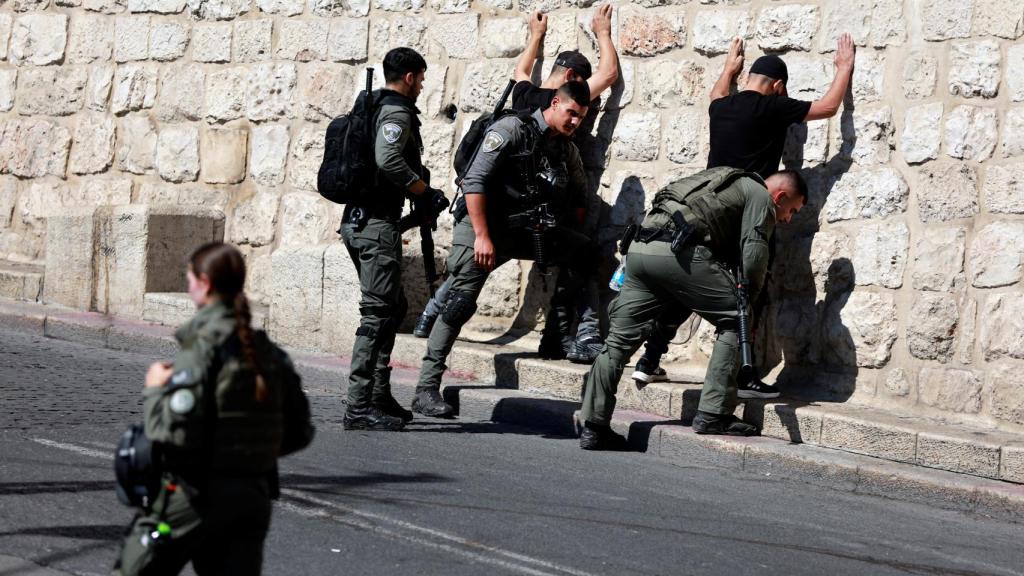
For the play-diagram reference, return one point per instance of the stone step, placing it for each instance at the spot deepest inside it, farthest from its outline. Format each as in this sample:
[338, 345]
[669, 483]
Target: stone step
[21, 280]
[851, 428]
[175, 308]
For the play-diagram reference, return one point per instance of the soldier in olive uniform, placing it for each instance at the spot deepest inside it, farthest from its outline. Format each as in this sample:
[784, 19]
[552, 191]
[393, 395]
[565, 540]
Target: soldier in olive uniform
[370, 232]
[219, 416]
[517, 193]
[720, 218]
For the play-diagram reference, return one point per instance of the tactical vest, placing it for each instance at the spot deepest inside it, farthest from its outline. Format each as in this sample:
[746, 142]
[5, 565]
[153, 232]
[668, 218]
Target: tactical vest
[393, 194]
[708, 201]
[534, 174]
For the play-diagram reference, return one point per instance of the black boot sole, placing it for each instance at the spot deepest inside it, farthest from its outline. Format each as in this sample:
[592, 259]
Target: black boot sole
[372, 427]
[433, 413]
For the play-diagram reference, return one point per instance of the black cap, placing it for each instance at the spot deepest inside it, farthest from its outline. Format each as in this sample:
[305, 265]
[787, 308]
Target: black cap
[771, 66]
[576, 62]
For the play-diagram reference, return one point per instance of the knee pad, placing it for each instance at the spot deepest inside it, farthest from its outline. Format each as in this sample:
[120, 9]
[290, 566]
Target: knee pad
[458, 308]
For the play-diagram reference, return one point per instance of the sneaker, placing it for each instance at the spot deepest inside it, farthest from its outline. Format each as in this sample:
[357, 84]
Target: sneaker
[727, 424]
[586, 349]
[391, 407]
[424, 324]
[647, 371]
[554, 347]
[370, 418]
[597, 437]
[756, 389]
[428, 401]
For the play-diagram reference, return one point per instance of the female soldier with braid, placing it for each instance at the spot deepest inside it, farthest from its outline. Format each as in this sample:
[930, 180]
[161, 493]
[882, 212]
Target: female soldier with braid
[219, 416]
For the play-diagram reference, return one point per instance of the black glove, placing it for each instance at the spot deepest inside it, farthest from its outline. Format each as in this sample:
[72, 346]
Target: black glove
[433, 201]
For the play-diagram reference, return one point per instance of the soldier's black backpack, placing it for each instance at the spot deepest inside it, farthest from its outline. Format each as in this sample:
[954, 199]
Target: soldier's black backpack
[471, 142]
[347, 169]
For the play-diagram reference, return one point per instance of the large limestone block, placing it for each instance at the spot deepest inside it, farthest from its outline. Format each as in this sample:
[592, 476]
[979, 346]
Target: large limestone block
[211, 43]
[831, 270]
[177, 153]
[131, 38]
[946, 19]
[1007, 389]
[974, 69]
[93, 148]
[398, 31]
[91, 39]
[561, 35]
[1004, 189]
[38, 201]
[8, 196]
[282, 7]
[438, 140]
[182, 93]
[33, 148]
[788, 27]
[947, 191]
[432, 100]
[51, 91]
[223, 155]
[880, 254]
[157, 6]
[303, 40]
[225, 94]
[252, 40]
[877, 23]
[104, 6]
[873, 193]
[335, 8]
[637, 136]
[271, 91]
[668, 84]
[326, 91]
[340, 313]
[869, 78]
[135, 88]
[307, 154]
[399, 5]
[809, 76]
[1012, 142]
[269, 153]
[950, 389]
[860, 328]
[97, 92]
[254, 220]
[1002, 18]
[138, 137]
[897, 383]
[218, 9]
[939, 259]
[296, 306]
[167, 40]
[645, 33]
[457, 35]
[482, 83]
[996, 255]
[69, 252]
[504, 37]
[713, 30]
[871, 139]
[305, 219]
[1015, 72]
[450, 6]
[1002, 331]
[919, 73]
[967, 328]
[933, 323]
[684, 139]
[348, 40]
[8, 83]
[38, 39]
[921, 133]
[500, 295]
[92, 192]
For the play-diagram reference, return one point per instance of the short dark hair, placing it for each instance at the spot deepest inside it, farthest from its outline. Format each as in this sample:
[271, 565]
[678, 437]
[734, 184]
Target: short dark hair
[797, 180]
[400, 61]
[573, 60]
[578, 92]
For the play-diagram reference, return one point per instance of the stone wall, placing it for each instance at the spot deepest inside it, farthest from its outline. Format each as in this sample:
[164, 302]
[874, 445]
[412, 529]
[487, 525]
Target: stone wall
[899, 285]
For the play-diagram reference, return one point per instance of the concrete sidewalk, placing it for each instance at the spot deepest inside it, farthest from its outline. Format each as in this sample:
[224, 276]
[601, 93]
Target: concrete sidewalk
[845, 448]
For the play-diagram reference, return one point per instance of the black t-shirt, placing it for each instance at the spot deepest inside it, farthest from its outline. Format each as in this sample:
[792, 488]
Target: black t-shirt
[527, 96]
[748, 130]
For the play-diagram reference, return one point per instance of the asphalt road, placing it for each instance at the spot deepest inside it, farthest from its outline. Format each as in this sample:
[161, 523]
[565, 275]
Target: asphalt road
[454, 497]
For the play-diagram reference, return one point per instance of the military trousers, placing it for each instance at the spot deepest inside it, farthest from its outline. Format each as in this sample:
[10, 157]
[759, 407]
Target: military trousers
[569, 249]
[657, 278]
[220, 531]
[376, 252]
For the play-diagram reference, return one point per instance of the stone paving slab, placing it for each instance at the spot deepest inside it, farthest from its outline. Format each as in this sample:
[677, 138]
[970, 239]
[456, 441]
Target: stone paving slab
[831, 462]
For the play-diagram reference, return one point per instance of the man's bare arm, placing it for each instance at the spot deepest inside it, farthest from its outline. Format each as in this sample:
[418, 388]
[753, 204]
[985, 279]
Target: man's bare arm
[538, 26]
[608, 66]
[732, 68]
[829, 104]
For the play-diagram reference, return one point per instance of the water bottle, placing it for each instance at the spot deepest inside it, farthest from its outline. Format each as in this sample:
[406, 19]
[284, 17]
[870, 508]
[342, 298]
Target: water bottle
[618, 277]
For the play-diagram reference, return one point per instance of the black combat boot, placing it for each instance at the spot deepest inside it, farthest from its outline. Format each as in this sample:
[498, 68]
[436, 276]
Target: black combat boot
[424, 324]
[727, 424]
[391, 407]
[369, 417]
[598, 437]
[428, 401]
[586, 349]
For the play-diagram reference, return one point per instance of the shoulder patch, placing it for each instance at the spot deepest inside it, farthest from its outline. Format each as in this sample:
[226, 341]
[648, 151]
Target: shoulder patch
[493, 141]
[182, 401]
[392, 132]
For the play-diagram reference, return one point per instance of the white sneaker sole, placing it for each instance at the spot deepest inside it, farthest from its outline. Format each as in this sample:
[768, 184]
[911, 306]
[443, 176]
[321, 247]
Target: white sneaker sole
[648, 378]
[751, 394]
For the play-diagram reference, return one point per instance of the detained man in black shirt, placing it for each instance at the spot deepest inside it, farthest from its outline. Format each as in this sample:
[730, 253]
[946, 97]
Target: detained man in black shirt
[748, 131]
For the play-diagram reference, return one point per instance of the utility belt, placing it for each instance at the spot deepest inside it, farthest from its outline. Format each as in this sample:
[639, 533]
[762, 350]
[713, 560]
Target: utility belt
[683, 230]
[358, 215]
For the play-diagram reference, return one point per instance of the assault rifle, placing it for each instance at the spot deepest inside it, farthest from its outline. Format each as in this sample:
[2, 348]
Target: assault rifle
[743, 308]
[424, 217]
